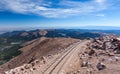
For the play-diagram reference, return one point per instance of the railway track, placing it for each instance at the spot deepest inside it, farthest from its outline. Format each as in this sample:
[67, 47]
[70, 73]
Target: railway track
[58, 60]
[58, 64]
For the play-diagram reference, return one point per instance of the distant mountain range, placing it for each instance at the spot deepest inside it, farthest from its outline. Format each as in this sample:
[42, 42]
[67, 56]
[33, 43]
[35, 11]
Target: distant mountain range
[4, 30]
[73, 33]
[101, 27]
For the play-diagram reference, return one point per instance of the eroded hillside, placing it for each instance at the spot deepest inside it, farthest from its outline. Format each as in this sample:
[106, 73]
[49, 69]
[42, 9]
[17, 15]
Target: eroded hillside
[37, 49]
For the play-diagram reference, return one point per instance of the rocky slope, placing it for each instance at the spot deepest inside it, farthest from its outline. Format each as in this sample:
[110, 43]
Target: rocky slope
[101, 57]
[38, 49]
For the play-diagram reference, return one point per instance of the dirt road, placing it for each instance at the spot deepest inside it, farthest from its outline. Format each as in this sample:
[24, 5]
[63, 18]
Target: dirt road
[62, 64]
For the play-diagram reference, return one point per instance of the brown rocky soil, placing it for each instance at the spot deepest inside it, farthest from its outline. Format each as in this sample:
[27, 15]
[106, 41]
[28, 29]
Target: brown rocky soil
[38, 49]
[68, 56]
[101, 57]
[60, 63]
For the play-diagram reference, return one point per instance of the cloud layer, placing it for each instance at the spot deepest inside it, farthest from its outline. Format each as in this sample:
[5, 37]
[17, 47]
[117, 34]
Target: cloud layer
[53, 9]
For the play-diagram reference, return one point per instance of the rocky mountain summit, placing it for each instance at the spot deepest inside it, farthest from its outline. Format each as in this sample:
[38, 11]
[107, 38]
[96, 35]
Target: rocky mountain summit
[101, 57]
[109, 43]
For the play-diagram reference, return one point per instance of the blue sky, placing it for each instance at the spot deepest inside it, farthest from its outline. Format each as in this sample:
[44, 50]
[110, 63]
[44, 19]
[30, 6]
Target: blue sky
[58, 13]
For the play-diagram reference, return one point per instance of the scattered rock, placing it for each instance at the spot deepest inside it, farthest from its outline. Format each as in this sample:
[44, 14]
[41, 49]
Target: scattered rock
[91, 52]
[109, 42]
[44, 59]
[117, 58]
[26, 67]
[33, 64]
[34, 68]
[84, 64]
[22, 69]
[37, 61]
[110, 54]
[100, 66]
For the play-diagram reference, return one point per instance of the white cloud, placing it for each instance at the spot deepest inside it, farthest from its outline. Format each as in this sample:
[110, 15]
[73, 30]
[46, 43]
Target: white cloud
[100, 1]
[100, 15]
[45, 8]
